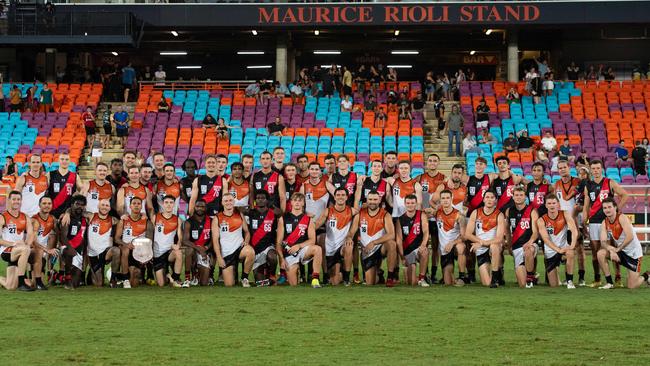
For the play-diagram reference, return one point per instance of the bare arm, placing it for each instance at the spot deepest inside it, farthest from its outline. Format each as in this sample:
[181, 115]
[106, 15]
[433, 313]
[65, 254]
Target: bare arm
[194, 197]
[247, 233]
[545, 237]
[119, 205]
[627, 229]
[279, 236]
[20, 183]
[216, 245]
[321, 219]
[418, 194]
[573, 228]
[119, 228]
[469, 231]
[179, 234]
[282, 192]
[622, 193]
[425, 229]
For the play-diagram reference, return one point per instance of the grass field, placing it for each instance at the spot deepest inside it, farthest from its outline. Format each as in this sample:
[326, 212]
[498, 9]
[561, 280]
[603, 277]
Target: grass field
[356, 325]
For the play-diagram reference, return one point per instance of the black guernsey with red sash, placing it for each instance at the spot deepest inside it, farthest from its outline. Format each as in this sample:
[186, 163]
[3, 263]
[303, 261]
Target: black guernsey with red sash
[186, 185]
[521, 225]
[598, 192]
[210, 190]
[268, 182]
[60, 190]
[504, 189]
[296, 230]
[536, 196]
[380, 186]
[77, 233]
[200, 231]
[476, 188]
[263, 226]
[349, 182]
[290, 189]
[411, 231]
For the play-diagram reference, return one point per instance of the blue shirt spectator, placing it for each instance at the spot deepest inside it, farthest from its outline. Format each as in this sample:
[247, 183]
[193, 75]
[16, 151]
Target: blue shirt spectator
[121, 117]
[128, 74]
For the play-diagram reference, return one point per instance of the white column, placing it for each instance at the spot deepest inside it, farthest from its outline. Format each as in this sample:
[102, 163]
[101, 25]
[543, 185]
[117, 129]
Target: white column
[513, 56]
[281, 61]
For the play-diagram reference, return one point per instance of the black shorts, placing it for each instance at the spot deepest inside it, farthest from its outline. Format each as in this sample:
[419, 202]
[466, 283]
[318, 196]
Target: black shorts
[433, 232]
[553, 262]
[372, 261]
[320, 230]
[335, 259]
[483, 259]
[232, 259]
[122, 132]
[90, 131]
[97, 263]
[161, 262]
[134, 263]
[630, 263]
[441, 124]
[108, 129]
[448, 259]
[6, 256]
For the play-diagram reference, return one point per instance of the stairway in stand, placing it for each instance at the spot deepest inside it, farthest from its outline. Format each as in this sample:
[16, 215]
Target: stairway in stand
[115, 149]
[432, 144]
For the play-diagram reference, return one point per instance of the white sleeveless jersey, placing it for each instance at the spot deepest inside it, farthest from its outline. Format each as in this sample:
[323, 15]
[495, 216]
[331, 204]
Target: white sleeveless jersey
[231, 232]
[164, 234]
[337, 227]
[486, 227]
[100, 235]
[557, 231]
[32, 191]
[448, 228]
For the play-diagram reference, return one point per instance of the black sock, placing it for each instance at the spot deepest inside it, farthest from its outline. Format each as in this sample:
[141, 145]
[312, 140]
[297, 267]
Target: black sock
[461, 275]
[244, 275]
[434, 270]
[326, 277]
[569, 277]
[597, 277]
[39, 281]
[581, 274]
[495, 276]
[176, 276]
[356, 271]
[471, 273]
[391, 275]
[530, 274]
[346, 276]
[125, 276]
[188, 275]
[645, 275]
[21, 281]
[609, 279]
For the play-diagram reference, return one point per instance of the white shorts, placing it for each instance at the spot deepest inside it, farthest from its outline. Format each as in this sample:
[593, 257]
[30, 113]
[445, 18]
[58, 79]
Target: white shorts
[412, 258]
[579, 218]
[78, 261]
[594, 231]
[260, 258]
[332, 248]
[298, 258]
[96, 153]
[207, 263]
[518, 255]
[481, 124]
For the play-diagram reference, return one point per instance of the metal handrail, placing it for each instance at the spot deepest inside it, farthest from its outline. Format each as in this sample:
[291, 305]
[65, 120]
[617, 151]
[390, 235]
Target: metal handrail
[195, 85]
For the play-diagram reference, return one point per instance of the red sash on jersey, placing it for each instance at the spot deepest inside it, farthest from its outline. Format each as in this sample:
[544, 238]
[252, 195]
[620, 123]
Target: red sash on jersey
[478, 196]
[541, 192]
[77, 240]
[205, 234]
[415, 231]
[215, 190]
[259, 232]
[507, 195]
[271, 188]
[381, 187]
[64, 193]
[351, 183]
[519, 231]
[597, 205]
[295, 234]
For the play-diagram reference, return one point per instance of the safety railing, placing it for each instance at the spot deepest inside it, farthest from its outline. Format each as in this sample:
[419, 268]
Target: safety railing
[195, 85]
[71, 23]
[641, 194]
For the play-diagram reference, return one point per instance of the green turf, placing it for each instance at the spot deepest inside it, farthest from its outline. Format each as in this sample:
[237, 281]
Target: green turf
[356, 325]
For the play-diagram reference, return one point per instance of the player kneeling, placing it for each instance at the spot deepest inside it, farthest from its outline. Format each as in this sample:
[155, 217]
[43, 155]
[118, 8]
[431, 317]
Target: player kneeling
[412, 239]
[133, 226]
[451, 245]
[377, 239]
[485, 230]
[620, 244]
[100, 244]
[230, 240]
[197, 240]
[296, 242]
[553, 228]
[167, 238]
[340, 226]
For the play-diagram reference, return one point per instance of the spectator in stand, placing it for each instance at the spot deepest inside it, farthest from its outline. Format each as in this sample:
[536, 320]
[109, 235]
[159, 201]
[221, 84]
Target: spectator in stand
[482, 115]
[163, 106]
[566, 153]
[403, 103]
[281, 90]
[49, 15]
[380, 119]
[549, 143]
[583, 160]
[391, 100]
[645, 144]
[513, 96]
[639, 157]
[542, 66]
[418, 102]
[486, 137]
[107, 122]
[15, 99]
[534, 84]
[430, 86]
[146, 75]
[592, 73]
[370, 105]
[375, 79]
[329, 84]
[439, 108]
[548, 84]
[446, 87]
[621, 153]
[89, 123]
[128, 80]
[456, 122]
[405, 113]
[540, 155]
[253, 90]
[460, 76]
[470, 144]
[222, 129]
[361, 78]
[347, 81]
[276, 127]
[31, 102]
[121, 119]
[9, 168]
[160, 75]
[608, 74]
[572, 71]
[510, 143]
[46, 99]
[525, 142]
[346, 104]
[392, 74]
[296, 92]
[209, 122]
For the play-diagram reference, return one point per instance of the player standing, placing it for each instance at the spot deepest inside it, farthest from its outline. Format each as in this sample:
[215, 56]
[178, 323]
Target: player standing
[521, 237]
[33, 185]
[167, 238]
[451, 226]
[412, 238]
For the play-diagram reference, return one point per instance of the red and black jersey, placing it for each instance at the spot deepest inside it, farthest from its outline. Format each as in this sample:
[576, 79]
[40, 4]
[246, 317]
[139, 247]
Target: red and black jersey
[536, 196]
[76, 233]
[411, 231]
[60, 190]
[211, 191]
[200, 231]
[268, 182]
[296, 229]
[476, 188]
[504, 189]
[263, 226]
[521, 225]
[381, 186]
[349, 182]
[289, 190]
[186, 185]
[598, 192]
[117, 183]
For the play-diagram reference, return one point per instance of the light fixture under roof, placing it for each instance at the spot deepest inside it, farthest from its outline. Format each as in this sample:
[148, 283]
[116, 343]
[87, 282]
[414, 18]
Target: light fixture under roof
[396, 32]
[173, 53]
[487, 32]
[472, 52]
[250, 52]
[114, 53]
[259, 66]
[254, 32]
[316, 32]
[404, 52]
[324, 52]
[329, 66]
[184, 67]
[399, 66]
[174, 33]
